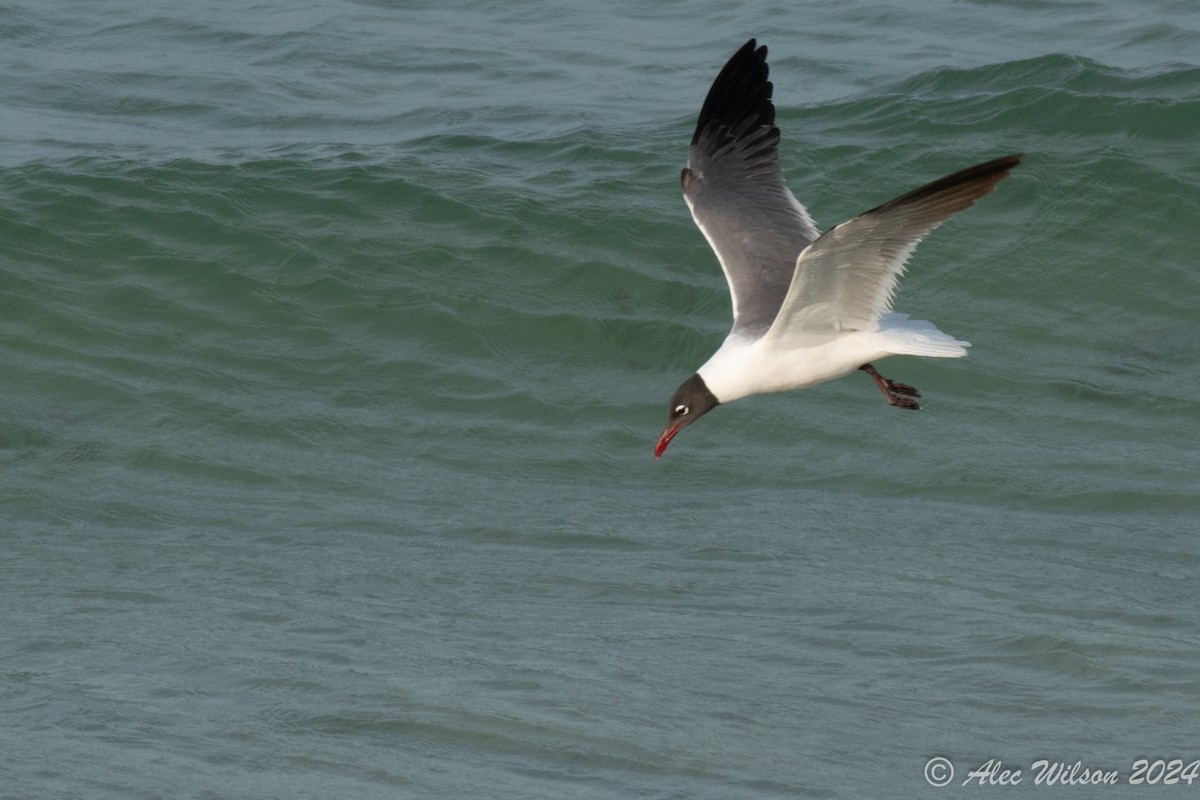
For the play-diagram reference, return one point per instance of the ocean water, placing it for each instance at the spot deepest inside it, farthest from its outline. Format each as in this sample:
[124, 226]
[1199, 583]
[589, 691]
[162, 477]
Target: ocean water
[336, 339]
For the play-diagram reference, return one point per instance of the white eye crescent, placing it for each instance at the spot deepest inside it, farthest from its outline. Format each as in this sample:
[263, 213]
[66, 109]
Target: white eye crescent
[681, 410]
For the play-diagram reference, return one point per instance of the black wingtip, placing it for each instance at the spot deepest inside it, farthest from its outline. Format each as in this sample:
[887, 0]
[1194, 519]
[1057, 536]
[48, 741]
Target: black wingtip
[741, 93]
[960, 189]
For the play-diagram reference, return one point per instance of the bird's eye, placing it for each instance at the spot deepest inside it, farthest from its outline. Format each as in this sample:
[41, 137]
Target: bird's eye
[680, 410]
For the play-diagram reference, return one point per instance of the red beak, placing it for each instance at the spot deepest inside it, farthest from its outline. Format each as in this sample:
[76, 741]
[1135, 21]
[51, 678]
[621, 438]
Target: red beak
[665, 440]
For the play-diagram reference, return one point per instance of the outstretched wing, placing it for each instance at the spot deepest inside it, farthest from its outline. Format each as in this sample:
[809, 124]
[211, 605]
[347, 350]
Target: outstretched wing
[845, 279]
[734, 188]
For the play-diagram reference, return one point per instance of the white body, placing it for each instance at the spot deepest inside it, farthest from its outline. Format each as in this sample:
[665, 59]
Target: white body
[780, 361]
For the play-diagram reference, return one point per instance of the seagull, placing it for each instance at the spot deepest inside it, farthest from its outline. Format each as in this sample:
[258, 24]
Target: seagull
[807, 307]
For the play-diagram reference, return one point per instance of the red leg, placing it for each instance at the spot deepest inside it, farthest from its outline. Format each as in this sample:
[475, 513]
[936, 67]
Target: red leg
[898, 394]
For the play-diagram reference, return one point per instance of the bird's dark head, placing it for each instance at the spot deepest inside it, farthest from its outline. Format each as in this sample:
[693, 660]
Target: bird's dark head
[691, 401]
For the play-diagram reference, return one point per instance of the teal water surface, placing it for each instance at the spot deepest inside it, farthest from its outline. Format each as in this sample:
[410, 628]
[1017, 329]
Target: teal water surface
[336, 341]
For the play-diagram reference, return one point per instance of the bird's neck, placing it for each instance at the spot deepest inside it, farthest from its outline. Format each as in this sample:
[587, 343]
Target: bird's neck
[732, 371]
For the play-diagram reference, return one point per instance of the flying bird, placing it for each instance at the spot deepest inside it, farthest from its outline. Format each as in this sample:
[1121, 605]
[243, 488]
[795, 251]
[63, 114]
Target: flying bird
[807, 307]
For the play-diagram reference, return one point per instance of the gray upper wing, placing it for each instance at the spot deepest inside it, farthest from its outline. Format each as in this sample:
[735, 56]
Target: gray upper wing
[845, 279]
[734, 188]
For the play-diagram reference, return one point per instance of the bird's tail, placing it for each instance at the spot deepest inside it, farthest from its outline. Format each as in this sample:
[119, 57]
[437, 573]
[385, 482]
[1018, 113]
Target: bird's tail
[916, 337]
